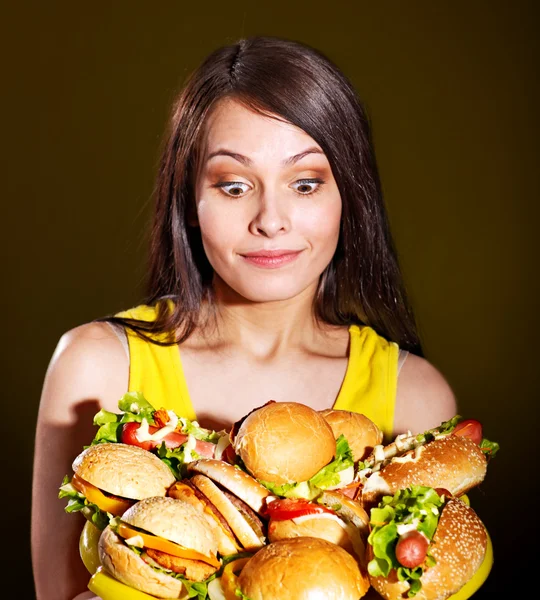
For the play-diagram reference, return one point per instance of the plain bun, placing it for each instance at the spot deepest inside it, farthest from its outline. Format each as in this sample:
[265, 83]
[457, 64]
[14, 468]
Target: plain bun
[459, 547]
[360, 432]
[455, 463]
[124, 470]
[126, 566]
[285, 442]
[302, 568]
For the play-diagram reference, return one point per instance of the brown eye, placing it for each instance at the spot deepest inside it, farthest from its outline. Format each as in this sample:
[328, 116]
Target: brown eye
[308, 186]
[232, 188]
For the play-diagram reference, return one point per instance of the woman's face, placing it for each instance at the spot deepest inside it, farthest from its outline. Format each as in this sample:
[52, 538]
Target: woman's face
[268, 206]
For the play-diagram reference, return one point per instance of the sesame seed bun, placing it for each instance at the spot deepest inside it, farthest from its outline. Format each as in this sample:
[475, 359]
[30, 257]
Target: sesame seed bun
[124, 470]
[302, 568]
[455, 463]
[285, 442]
[459, 546]
[360, 432]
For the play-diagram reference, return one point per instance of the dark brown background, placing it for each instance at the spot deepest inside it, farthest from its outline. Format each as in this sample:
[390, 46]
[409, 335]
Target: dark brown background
[451, 90]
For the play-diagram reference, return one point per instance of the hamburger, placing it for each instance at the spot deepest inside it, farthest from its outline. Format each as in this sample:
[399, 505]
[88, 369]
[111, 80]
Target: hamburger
[361, 433]
[333, 517]
[291, 450]
[423, 544]
[109, 478]
[162, 546]
[453, 456]
[231, 499]
[301, 568]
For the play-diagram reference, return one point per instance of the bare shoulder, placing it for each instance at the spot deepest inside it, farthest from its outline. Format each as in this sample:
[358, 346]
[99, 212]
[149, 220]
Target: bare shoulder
[89, 362]
[424, 398]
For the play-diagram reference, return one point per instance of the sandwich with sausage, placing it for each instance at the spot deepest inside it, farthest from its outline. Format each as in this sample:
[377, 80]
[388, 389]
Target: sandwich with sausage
[423, 543]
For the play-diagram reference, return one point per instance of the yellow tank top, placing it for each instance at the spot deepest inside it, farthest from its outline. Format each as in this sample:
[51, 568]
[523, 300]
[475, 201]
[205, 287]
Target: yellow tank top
[369, 385]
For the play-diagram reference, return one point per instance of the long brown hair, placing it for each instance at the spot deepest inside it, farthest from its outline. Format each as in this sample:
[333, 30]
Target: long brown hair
[297, 83]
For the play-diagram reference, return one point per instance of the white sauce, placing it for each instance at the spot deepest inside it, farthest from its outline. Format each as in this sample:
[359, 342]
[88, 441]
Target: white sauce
[376, 483]
[346, 476]
[404, 528]
[135, 540]
[188, 447]
[143, 433]
[378, 453]
[221, 445]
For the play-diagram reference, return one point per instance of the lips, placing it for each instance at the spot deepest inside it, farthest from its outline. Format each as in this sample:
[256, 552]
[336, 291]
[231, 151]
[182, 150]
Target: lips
[270, 253]
[271, 258]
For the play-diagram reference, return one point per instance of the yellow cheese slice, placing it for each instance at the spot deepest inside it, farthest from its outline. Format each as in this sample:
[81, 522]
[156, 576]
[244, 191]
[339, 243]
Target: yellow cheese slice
[158, 543]
[115, 506]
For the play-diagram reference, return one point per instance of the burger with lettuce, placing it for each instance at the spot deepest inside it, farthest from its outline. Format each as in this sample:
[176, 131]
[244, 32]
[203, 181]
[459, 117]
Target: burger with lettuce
[423, 542]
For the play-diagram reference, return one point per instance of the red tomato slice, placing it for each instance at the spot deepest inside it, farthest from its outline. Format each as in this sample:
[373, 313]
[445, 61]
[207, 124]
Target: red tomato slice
[470, 428]
[290, 508]
[172, 440]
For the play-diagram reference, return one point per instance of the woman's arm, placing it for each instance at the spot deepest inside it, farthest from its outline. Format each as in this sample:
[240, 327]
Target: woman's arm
[424, 399]
[89, 370]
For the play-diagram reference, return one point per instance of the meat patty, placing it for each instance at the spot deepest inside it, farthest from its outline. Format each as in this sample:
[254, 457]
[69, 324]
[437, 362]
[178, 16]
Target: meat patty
[194, 570]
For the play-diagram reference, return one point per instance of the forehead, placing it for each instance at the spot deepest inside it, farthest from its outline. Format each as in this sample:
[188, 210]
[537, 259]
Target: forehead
[234, 126]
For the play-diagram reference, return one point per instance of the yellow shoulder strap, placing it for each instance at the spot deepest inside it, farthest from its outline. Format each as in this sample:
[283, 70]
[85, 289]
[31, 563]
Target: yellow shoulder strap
[156, 370]
[370, 382]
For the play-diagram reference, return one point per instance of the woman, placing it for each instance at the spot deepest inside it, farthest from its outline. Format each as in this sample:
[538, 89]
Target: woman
[272, 276]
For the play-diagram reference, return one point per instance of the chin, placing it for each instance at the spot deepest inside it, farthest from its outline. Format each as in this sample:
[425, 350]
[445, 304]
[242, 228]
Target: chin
[282, 288]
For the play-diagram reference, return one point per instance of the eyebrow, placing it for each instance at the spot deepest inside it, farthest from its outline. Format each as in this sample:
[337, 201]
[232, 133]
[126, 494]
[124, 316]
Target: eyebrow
[248, 162]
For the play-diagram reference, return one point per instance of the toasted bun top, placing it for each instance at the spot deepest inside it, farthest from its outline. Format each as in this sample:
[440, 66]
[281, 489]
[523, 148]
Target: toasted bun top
[349, 510]
[361, 433]
[175, 520]
[285, 442]
[459, 546]
[302, 568]
[454, 462]
[235, 480]
[124, 470]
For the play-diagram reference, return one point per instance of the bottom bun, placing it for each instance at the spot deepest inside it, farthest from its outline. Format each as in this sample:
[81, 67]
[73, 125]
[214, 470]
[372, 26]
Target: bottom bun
[126, 566]
[302, 568]
[458, 546]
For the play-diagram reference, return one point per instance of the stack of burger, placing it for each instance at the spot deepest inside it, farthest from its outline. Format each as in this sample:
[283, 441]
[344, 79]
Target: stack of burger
[291, 504]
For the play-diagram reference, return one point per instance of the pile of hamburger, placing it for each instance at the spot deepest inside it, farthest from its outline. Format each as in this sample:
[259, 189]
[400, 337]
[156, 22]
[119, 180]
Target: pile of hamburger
[291, 504]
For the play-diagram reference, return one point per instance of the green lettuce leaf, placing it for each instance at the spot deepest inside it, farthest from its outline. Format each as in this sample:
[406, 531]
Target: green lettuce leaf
[78, 503]
[445, 427]
[489, 448]
[327, 477]
[417, 504]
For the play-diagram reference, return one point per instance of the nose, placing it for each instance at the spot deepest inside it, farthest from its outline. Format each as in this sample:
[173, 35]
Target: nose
[272, 217]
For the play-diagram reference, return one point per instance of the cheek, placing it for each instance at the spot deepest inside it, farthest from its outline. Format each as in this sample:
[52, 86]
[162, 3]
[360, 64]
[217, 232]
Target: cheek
[321, 224]
[220, 226]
